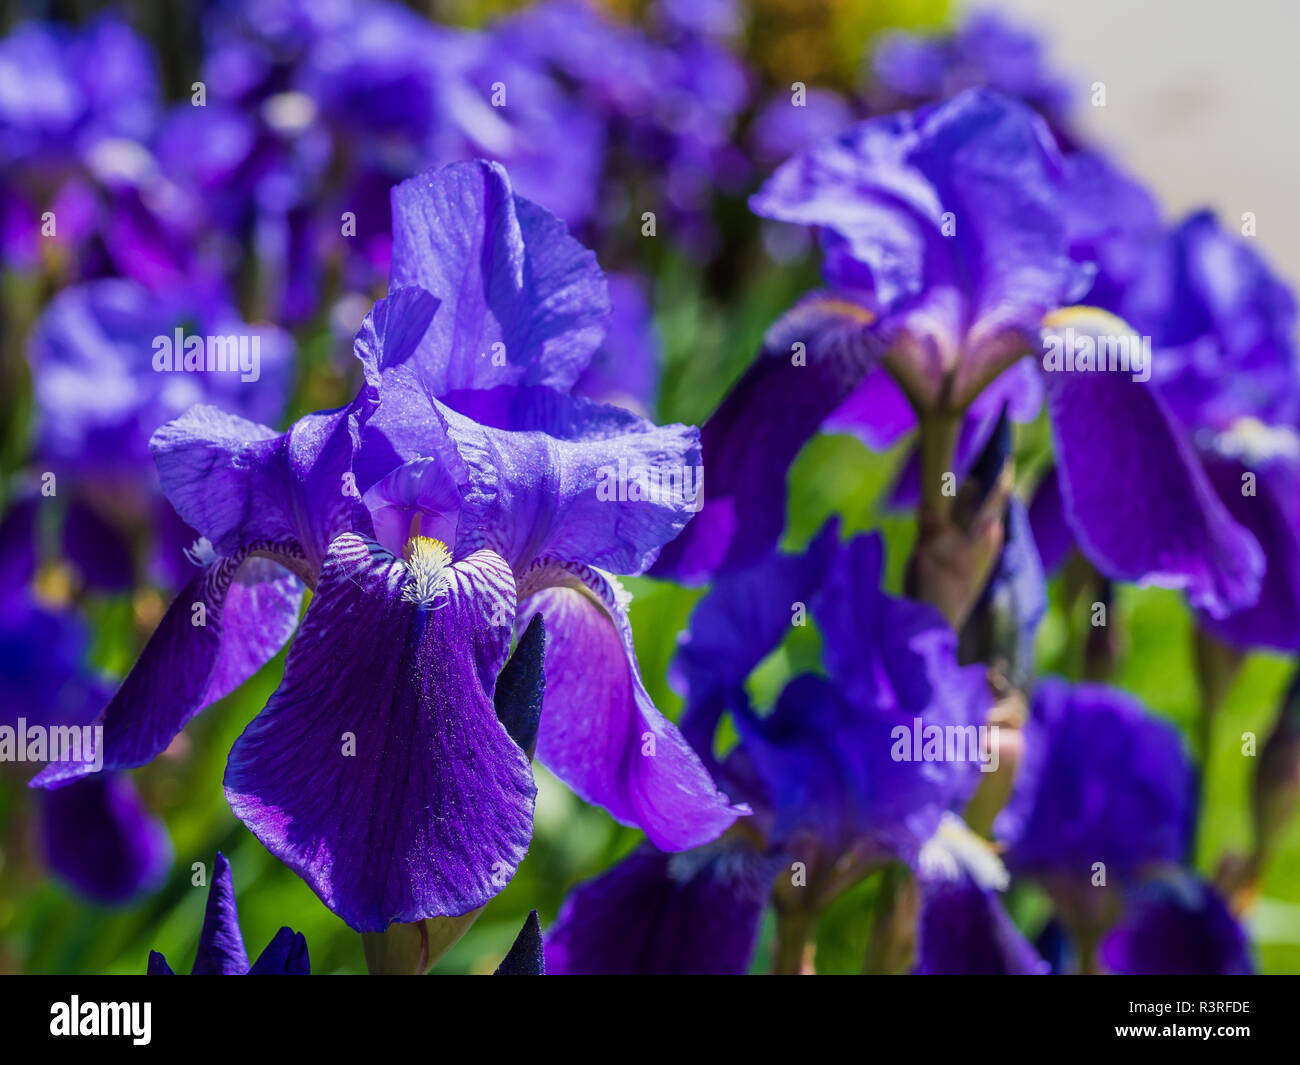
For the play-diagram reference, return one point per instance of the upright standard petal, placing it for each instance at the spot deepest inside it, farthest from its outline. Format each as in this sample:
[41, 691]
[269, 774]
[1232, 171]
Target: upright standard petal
[378, 771]
[528, 472]
[571, 479]
[522, 301]
[948, 223]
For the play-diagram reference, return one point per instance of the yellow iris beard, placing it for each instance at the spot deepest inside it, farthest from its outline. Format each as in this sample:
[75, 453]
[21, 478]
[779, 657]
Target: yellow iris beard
[429, 564]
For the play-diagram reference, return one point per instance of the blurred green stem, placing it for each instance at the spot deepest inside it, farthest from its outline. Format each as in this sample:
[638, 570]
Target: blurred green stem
[937, 443]
[1217, 667]
[892, 946]
[794, 927]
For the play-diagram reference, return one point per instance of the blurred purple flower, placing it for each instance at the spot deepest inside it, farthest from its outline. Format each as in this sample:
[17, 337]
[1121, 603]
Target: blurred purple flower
[819, 770]
[1101, 780]
[782, 129]
[1177, 926]
[97, 835]
[1221, 326]
[947, 241]
[694, 913]
[99, 398]
[985, 51]
[66, 90]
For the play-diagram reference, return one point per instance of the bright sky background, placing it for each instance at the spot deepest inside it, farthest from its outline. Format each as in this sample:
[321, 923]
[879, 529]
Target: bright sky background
[1201, 100]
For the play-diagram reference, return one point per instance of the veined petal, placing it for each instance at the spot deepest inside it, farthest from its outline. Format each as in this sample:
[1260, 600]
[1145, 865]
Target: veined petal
[601, 733]
[226, 624]
[576, 480]
[529, 472]
[522, 301]
[379, 771]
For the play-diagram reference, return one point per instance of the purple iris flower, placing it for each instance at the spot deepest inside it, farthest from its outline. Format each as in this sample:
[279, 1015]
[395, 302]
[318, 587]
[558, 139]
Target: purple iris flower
[1221, 329]
[822, 770]
[97, 835]
[1105, 794]
[822, 764]
[1224, 356]
[66, 90]
[462, 492]
[694, 913]
[1177, 926]
[948, 245]
[221, 943]
[830, 754]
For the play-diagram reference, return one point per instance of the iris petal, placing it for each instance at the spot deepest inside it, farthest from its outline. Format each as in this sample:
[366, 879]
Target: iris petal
[601, 733]
[378, 771]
